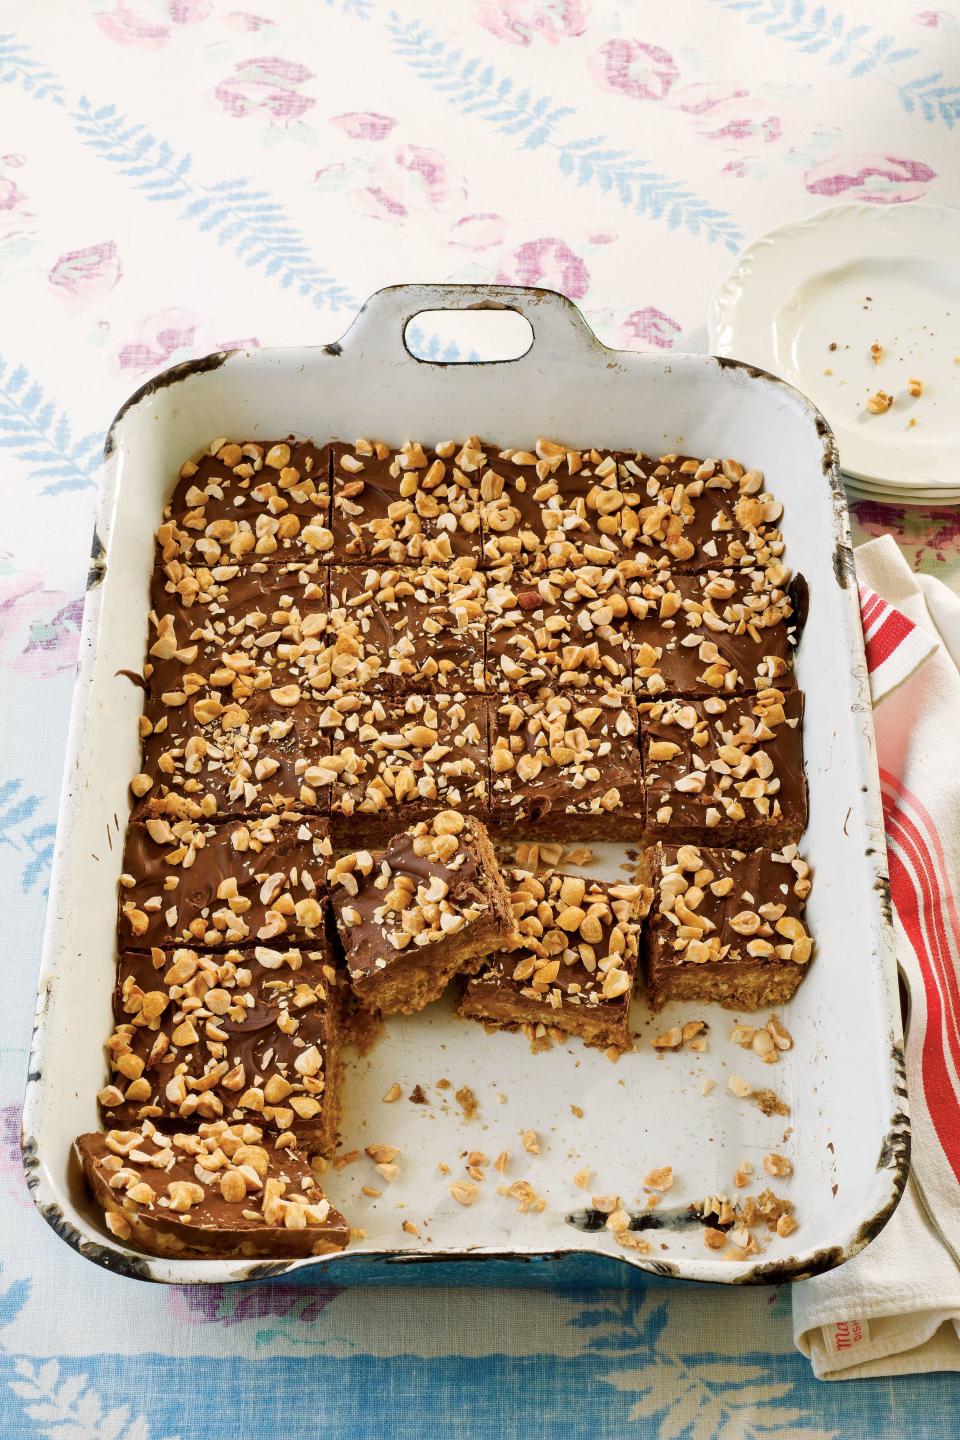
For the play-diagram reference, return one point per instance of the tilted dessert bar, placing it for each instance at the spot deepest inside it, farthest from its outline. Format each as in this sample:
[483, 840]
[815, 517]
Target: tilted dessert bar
[428, 907]
[726, 925]
[218, 1191]
[574, 964]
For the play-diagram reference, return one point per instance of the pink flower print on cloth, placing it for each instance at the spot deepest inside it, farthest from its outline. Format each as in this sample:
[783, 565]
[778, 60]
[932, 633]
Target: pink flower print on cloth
[880, 179]
[364, 124]
[728, 115]
[634, 68]
[649, 328]
[138, 25]
[413, 180]
[267, 86]
[478, 232]
[522, 22]
[39, 628]
[549, 262]
[87, 274]
[171, 335]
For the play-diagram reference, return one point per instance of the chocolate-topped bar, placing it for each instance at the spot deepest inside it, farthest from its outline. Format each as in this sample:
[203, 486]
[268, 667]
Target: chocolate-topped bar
[405, 506]
[399, 759]
[725, 925]
[561, 627]
[261, 628]
[567, 765]
[574, 966]
[235, 1035]
[553, 506]
[701, 514]
[415, 628]
[723, 771]
[221, 1191]
[715, 632]
[429, 906]
[213, 756]
[249, 500]
[249, 881]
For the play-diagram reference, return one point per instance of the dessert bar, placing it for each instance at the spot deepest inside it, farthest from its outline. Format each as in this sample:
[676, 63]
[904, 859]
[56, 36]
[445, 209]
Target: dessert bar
[406, 506]
[701, 514]
[262, 628]
[428, 907]
[236, 1035]
[222, 1190]
[567, 765]
[414, 628]
[213, 756]
[574, 966]
[399, 759]
[563, 628]
[725, 925]
[722, 770]
[249, 881]
[728, 631]
[249, 501]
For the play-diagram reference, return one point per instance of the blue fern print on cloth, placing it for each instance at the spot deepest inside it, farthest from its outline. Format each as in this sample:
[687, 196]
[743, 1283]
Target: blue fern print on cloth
[40, 436]
[815, 30]
[17, 67]
[18, 831]
[248, 220]
[478, 89]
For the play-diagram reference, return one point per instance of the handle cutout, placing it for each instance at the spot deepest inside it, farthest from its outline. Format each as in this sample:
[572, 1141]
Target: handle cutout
[464, 337]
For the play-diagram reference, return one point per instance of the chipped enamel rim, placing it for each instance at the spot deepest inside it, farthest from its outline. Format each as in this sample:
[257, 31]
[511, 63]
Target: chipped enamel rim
[554, 315]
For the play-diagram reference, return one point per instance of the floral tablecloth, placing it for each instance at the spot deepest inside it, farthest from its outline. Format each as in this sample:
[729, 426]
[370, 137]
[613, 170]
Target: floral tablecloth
[182, 175]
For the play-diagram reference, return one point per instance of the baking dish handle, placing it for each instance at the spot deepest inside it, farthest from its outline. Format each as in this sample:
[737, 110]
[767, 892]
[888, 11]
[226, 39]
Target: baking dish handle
[378, 333]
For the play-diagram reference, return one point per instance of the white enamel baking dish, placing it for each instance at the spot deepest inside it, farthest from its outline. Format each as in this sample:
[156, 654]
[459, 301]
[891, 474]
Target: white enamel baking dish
[844, 1078]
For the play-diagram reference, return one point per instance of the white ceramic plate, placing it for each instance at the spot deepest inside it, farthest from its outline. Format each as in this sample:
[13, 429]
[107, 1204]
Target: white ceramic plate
[851, 277]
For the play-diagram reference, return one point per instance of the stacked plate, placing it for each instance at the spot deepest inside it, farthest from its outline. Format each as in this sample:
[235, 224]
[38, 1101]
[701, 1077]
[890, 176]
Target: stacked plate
[859, 307]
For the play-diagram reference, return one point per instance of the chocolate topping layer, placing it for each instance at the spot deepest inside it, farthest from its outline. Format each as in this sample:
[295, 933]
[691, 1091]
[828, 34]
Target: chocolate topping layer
[254, 880]
[417, 629]
[555, 756]
[247, 501]
[405, 506]
[235, 1035]
[562, 627]
[719, 768]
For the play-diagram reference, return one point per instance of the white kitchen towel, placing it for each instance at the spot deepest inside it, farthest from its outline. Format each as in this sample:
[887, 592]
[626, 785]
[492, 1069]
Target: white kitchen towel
[895, 1308]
